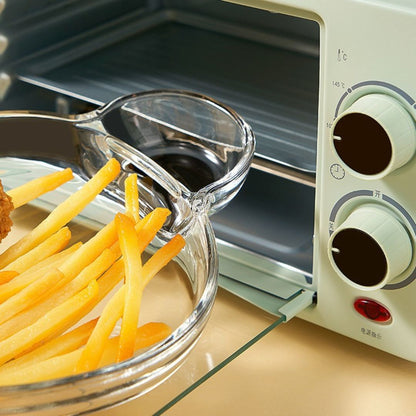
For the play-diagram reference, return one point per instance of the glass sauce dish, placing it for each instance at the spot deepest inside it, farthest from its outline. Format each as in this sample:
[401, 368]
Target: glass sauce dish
[192, 155]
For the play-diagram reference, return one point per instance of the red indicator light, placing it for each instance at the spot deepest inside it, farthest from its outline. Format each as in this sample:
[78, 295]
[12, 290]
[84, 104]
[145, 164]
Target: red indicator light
[371, 309]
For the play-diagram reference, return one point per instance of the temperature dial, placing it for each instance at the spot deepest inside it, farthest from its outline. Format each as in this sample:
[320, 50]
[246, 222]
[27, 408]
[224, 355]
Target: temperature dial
[370, 248]
[374, 136]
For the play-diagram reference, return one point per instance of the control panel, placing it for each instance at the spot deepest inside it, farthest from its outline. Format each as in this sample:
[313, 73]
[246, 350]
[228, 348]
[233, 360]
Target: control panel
[364, 264]
[365, 230]
[365, 259]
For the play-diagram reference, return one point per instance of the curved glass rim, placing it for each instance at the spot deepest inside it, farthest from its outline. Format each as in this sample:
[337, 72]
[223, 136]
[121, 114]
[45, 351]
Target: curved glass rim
[248, 147]
[86, 119]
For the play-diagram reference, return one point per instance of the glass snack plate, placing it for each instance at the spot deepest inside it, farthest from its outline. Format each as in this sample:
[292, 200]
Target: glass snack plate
[192, 155]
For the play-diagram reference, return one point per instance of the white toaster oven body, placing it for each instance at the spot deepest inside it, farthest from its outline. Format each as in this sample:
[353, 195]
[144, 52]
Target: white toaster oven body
[365, 52]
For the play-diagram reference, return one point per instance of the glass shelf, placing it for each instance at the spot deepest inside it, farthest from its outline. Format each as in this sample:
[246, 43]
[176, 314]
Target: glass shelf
[233, 327]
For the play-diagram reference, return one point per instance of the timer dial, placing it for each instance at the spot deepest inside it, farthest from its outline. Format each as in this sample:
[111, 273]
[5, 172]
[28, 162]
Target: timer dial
[370, 248]
[374, 136]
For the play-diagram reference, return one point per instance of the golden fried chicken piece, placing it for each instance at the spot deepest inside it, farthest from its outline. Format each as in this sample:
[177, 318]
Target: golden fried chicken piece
[6, 206]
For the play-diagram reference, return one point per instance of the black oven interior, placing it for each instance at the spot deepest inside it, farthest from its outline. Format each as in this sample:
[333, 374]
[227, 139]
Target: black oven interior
[70, 56]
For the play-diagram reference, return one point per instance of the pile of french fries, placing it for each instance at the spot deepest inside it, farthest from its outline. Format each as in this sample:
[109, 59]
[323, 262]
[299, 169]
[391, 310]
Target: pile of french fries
[48, 287]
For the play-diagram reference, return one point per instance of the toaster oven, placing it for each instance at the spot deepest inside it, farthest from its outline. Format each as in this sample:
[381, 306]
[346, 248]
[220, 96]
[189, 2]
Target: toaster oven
[324, 227]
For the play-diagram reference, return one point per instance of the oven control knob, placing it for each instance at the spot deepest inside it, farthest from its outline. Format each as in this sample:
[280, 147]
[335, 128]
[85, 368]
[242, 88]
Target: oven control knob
[374, 136]
[370, 248]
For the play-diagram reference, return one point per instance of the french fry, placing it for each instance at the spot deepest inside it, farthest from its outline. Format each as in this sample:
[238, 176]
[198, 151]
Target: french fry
[96, 344]
[22, 280]
[39, 186]
[65, 364]
[53, 244]
[68, 342]
[89, 251]
[54, 322]
[7, 275]
[130, 249]
[148, 227]
[94, 349]
[72, 266]
[29, 295]
[45, 289]
[93, 271]
[63, 213]
[162, 257]
[132, 197]
[146, 335]
[55, 259]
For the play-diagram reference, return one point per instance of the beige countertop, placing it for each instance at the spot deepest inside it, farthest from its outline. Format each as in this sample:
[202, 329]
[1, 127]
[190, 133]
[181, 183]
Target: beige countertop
[301, 369]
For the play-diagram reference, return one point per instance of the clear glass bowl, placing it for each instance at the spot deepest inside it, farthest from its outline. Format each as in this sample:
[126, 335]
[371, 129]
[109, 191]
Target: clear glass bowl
[205, 149]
